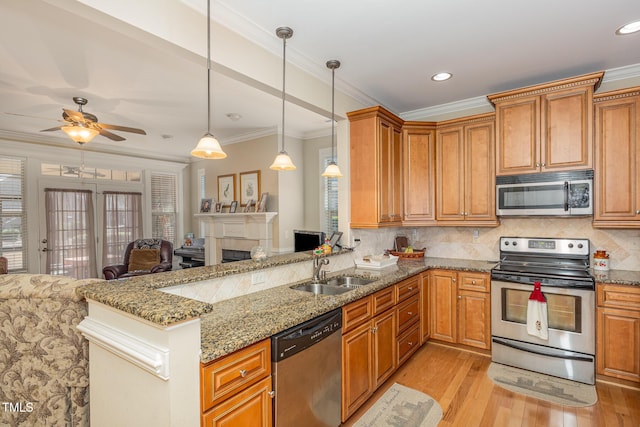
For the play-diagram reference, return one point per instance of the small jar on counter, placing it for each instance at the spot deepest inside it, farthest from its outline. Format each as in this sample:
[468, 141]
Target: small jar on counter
[601, 261]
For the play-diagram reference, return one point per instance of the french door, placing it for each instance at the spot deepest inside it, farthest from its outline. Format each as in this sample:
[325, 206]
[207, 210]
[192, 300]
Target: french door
[84, 226]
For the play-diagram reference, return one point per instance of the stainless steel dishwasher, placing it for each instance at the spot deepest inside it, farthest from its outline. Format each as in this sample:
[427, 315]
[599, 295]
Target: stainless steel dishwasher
[307, 373]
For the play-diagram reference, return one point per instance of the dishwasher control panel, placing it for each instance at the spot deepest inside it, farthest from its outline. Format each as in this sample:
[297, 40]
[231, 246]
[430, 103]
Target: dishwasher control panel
[295, 339]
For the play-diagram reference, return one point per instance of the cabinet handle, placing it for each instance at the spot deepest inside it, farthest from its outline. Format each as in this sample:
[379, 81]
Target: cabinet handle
[410, 343]
[410, 313]
[374, 330]
[243, 373]
[272, 394]
[410, 288]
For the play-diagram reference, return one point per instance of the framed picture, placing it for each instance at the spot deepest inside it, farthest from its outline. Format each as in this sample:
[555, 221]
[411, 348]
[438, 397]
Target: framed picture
[217, 207]
[249, 186]
[250, 206]
[227, 188]
[262, 204]
[335, 238]
[205, 205]
[233, 207]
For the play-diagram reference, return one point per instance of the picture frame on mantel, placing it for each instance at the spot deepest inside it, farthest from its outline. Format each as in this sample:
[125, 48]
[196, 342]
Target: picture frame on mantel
[261, 206]
[205, 205]
[249, 186]
[226, 189]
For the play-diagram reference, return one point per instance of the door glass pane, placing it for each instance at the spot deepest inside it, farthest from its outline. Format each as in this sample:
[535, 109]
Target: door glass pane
[564, 311]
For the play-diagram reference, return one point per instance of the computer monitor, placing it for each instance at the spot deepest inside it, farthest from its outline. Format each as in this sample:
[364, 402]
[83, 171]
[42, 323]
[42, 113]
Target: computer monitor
[305, 240]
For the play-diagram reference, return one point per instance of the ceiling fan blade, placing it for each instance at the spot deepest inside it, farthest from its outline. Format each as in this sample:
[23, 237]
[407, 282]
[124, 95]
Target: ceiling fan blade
[51, 129]
[111, 136]
[122, 128]
[74, 115]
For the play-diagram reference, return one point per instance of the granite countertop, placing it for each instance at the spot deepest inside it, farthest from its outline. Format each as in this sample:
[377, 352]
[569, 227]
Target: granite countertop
[617, 277]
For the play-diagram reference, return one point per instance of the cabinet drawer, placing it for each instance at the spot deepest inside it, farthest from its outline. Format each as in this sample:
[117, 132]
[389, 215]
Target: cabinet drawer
[408, 313]
[407, 288]
[478, 282]
[251, 407]
[230, 374]
[355, 313]
[627, 297]
[408, 343]
[383, 300]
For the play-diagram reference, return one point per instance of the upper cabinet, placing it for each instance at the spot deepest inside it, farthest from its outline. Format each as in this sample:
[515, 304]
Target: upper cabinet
[465, 171]
[376, 168]
[419, 173]
[617, 176]
[547, 127]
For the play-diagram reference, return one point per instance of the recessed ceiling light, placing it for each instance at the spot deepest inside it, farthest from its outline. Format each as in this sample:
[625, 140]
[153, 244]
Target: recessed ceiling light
[631, 27]
[440, 77]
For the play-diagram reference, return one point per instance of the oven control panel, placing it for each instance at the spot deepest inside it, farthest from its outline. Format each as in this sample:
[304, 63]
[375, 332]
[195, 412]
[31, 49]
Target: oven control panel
[532, 245]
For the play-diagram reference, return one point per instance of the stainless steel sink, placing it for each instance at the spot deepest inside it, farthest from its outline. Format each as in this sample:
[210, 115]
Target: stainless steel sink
[348, 281]
[320, 288]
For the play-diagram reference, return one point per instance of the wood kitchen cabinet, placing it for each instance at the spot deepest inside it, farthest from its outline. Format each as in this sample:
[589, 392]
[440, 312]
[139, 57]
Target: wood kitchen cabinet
[419, 173]
[465, 172]
[617, 154]
[425, 308]
[236, 389]
[376, 168]
[618, 332]
[547, 127]
[461, 308]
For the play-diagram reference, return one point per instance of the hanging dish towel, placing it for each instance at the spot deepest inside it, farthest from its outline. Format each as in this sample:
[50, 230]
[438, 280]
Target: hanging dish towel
[537, 322]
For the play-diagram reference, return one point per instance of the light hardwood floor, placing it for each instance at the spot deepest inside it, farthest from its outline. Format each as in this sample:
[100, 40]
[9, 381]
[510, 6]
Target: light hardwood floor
[458, 381]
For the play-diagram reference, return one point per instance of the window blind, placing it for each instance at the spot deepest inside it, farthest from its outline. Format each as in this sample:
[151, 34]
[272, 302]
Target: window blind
[164, 206]
[330, 201]
[13, 215]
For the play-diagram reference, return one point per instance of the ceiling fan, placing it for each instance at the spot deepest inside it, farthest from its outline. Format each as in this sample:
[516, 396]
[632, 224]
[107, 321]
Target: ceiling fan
[82, 127]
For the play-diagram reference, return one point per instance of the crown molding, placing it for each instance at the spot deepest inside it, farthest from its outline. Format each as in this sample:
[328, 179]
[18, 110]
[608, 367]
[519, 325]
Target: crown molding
[622, 73]
[451, 107]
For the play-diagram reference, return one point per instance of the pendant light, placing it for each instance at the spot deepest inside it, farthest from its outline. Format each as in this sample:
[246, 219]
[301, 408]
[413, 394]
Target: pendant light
[332, 170]
[208, 147]
[283, 161]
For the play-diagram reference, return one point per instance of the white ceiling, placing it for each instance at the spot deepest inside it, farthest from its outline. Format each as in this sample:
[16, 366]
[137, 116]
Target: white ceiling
[388, 50]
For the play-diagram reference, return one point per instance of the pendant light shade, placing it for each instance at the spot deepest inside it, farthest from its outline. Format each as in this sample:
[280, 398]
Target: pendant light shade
[332, 170]
[282, 161]
[208, 147]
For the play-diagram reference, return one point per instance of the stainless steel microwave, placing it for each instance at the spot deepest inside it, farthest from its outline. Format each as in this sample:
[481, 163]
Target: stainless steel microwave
[553, 194]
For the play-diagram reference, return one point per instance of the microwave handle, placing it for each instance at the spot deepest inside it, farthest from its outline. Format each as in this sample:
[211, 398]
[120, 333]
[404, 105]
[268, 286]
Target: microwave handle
[566, 196]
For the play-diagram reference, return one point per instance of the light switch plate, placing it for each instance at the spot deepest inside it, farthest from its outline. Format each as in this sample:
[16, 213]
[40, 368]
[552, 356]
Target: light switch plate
[258, 277]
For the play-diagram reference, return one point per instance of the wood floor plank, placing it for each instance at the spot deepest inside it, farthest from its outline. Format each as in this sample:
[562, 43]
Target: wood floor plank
[458, 381]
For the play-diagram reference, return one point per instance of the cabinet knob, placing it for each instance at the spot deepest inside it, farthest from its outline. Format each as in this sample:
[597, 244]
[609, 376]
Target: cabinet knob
[537, 164]
[544, 164]
[410, 343]
[243, 373]
[410, 313]
[453, 280]
[374, 330]
[473, 282]
[459, 297]
[272, 394]
[638, 212]
[410, 288]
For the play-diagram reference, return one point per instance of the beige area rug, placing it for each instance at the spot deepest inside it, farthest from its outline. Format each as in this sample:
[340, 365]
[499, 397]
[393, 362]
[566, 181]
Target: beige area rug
[544, 387]
[402, 406]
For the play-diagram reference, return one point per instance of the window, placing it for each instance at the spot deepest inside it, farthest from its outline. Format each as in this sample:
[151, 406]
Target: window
[202, 184]
[328, 196]
[122, 224]
[164, 206]
[13, 217]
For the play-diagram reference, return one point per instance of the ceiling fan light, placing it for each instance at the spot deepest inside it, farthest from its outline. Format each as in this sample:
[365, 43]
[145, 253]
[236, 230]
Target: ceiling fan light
[283, 162]
[332, 171]
[208, 148]
[80, 134]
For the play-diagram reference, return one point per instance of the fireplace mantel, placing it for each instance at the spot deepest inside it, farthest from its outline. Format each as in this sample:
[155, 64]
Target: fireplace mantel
[236, 231]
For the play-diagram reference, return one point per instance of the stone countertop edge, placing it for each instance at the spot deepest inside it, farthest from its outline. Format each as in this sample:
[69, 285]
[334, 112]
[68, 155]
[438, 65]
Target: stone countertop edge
[617, 277]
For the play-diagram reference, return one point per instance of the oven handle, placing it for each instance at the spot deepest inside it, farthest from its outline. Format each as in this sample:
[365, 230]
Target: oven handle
[566, 196]
[517, 347]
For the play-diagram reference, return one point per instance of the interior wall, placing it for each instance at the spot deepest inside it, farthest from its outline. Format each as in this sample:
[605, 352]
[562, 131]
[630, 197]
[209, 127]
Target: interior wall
[312, 176]
[290, 199]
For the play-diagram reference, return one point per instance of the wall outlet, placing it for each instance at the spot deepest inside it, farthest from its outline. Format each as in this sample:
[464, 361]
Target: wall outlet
[476, 234]
[258, 277]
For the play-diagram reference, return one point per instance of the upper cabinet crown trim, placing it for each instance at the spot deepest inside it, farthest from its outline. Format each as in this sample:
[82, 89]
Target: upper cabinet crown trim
[617, 94]
[377, 111]
[593, 79]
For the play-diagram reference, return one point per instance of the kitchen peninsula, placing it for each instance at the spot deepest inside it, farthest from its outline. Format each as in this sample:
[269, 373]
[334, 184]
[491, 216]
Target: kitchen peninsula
[148, 344]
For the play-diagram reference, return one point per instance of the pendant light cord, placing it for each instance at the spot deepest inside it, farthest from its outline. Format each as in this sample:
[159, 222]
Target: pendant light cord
[208, 66]
[333, 120]
[284, 71]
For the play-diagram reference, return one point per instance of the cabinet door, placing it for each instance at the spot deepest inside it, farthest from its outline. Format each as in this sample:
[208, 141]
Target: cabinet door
[480, 190]
[425, 309]
[450, 167]
[518, 136]
[566, 123]
[617, 176]
[419, 150]
[251, 407]
[618, 338]
[357, 368]
[384, 347]
[474, 319]
[443, 305]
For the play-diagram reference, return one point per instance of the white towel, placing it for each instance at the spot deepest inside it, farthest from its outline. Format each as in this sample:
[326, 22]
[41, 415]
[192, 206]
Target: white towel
[537, 320]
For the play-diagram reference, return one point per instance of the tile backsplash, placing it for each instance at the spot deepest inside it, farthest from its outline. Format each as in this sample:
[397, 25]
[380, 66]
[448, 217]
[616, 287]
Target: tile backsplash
[623, 246]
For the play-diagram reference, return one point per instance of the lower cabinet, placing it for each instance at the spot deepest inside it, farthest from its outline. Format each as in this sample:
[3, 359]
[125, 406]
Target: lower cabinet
[236, 389]
[461, 307]
[618, 332]
[380, 332]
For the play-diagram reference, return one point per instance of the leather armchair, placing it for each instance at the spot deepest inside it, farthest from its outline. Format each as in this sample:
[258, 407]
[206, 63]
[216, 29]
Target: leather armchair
[120, 271]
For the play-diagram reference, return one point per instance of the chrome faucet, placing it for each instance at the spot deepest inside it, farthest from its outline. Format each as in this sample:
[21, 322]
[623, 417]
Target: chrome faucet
[317, 266]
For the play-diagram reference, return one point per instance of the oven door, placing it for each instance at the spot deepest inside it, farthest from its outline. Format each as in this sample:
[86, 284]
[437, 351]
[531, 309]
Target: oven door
[571, 316]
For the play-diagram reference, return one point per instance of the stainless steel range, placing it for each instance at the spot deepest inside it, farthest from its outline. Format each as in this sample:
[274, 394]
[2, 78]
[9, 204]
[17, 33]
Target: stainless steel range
[562, 268]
